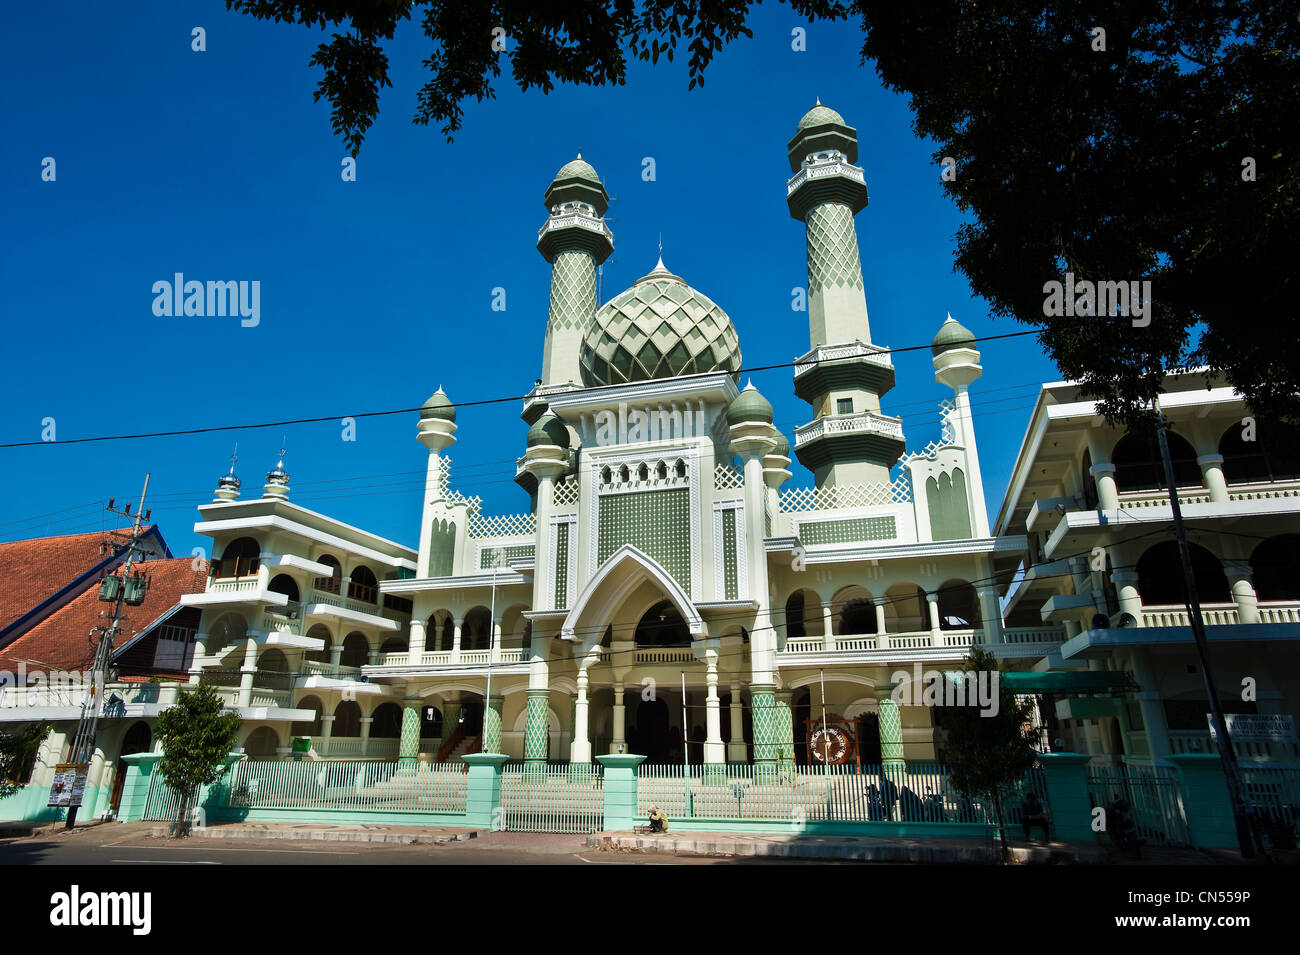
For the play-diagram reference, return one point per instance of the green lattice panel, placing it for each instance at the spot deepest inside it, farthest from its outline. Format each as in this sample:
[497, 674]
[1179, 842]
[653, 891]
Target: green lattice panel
[832, 247]
[764, 716]
[891, 731]
[535, 729]
[507, 554]
[849, 531]
[561, 566]
[655, 522]
[492, 727]
[784, 722]
[730, 579]
[410, 740]
[573, 290]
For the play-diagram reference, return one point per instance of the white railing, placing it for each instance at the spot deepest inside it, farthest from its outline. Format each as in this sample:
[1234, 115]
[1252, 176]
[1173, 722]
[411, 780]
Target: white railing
[1131, 499]
[804, 645]
[314, 784]
[1199, 741]
[325, 668]
[664, 655]
[1263, 492]
[958, 638]
[858, 643]
[1214, 615]
[862, 421]
[1033, 635]
[233, 585]
[511, 654]
[351, 603]
[1279, 611]
[476, 657]
[393, 658]
[822, 354]
[433, 658]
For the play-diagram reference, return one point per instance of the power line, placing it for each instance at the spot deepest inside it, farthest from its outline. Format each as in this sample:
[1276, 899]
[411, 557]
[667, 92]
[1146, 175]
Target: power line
[464, 404]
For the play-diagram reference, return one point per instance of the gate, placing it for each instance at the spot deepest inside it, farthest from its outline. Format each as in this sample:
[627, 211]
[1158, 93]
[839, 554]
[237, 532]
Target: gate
[161, 802]
[552, 798]
[1154, 797]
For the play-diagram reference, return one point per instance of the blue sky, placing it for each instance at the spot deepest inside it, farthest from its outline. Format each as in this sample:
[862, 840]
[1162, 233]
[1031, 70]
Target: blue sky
[375, 292]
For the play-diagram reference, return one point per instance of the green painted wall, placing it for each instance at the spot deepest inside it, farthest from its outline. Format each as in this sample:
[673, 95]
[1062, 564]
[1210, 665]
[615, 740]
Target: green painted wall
[655, 522]
[948, 506]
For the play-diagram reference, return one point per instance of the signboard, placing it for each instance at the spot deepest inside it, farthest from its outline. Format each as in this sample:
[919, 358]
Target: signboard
[1257, 727]
[301, 747]
[69, 784]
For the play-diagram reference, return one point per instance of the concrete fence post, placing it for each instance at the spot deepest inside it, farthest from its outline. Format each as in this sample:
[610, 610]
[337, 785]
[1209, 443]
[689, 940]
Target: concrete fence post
[620, 789]
[140, 768]
[1205, 800]
[1066, 777]
[483, 796]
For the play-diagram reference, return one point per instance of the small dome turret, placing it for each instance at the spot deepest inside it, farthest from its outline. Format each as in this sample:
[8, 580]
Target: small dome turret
[952, 334]
[749, 407]
[548, 430]
[782, 445]
[438, 406]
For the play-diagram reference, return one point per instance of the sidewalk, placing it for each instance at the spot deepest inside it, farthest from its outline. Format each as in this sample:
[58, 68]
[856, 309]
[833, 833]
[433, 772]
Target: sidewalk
[327, 832]
[893, 850]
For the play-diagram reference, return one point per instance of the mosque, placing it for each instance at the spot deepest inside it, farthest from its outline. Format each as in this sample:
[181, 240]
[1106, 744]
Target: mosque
[667, 593]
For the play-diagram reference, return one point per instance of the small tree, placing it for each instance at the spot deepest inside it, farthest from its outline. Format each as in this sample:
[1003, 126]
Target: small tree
[18, 755]
[987, 752]
[196, 736]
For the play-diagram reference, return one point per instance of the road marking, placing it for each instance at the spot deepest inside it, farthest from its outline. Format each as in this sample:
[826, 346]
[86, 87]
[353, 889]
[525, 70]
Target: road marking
[317, 852]
[161, 862]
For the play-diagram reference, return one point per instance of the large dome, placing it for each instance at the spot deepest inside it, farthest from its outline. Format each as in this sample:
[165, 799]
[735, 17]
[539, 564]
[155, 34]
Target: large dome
[659, 328]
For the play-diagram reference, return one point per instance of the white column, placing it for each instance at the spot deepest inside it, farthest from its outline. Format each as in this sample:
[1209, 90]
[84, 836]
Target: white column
[580, 751]
[882, 643]
[1130, 601]
[365, 733]
[1243, 591]
[619, 744]
[736, 748]
[496, 641]
[246, 673]
[336, 654]
[455, 638]
[713, 748]
[936, 638]
[992, 614]
[415, 646]
[1212, 474]
[326, 731]
[828, 631]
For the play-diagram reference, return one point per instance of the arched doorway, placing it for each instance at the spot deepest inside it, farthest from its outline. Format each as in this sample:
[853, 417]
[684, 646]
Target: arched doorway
[650, 734]
[262, 743]
[138, 739]
[662, 626]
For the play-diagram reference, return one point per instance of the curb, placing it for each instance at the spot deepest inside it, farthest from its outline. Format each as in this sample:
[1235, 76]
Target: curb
[850, 851]
[323, 835]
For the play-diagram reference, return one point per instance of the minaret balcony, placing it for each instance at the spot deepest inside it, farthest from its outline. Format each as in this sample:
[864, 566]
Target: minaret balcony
[864, 436]
[575, 229]
[835, 180]
[864, 422]
[834, 367]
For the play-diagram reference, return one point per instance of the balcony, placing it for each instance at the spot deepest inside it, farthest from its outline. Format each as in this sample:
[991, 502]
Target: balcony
[499, 656]
[862, 423]
[1220, 614]
[855, 648]
[1199, 741]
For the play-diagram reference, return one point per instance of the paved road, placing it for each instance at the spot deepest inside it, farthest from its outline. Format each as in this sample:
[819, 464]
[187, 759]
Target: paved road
[128, 845]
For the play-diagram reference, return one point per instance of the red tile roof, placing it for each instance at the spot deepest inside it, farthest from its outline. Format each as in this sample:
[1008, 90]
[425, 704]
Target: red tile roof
[62, 640]
[33, 570]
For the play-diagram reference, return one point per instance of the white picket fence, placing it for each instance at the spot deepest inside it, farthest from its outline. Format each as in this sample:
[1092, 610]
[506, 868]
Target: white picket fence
[387, 785]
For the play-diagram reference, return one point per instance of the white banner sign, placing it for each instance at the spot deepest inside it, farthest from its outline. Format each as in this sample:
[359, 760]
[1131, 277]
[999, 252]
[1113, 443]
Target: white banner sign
[1257, 727]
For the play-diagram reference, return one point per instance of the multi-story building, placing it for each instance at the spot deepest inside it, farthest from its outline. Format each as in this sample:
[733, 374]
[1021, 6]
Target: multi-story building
[667, 591]
[1103, 562]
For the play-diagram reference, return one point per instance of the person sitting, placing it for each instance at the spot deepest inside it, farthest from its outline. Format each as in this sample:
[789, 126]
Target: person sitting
[1123, 830]
[658, 821]
[1033, 814]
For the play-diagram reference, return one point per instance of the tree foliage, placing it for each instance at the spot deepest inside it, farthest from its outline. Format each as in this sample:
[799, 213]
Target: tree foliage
[1117, 164]
[18, 754]
[987, 753]
[197, 737]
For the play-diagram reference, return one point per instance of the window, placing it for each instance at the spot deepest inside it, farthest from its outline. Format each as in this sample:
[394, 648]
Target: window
[844, 406]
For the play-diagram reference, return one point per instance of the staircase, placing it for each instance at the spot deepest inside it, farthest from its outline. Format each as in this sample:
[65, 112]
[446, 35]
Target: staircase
[458, 745]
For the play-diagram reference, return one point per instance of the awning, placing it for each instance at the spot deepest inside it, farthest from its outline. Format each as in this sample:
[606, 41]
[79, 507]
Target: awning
[1069, 682]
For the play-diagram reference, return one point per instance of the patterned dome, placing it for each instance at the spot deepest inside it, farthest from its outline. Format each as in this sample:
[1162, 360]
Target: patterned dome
[820, 115]
[659, 328]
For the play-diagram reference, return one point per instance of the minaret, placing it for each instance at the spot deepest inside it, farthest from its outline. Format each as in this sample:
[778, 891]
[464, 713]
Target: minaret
[574, 240]
[957, 364]
[228, 485]
[277, 481]
[843, 375]
[437, 531]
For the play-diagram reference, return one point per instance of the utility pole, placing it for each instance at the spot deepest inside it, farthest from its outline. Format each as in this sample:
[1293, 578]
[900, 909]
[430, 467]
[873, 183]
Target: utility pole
[1241, 811]
[83, 745]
